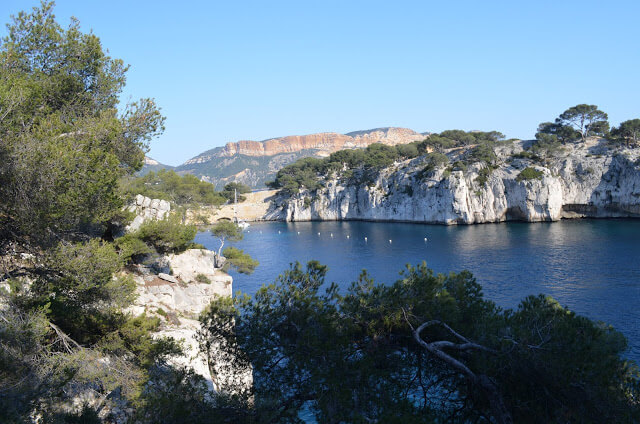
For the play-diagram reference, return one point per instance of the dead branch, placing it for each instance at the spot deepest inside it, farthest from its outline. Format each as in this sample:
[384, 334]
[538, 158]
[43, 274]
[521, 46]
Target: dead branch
[498, 408]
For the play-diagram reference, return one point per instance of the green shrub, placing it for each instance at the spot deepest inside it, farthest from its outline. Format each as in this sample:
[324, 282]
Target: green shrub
[167, 236]
[526, 154]
[483, 175]
[241, 261]
[180, 190]
[529, 174]
[132, 248]
[459, 166]
[433, 162]
[135, 337]
[201, 278]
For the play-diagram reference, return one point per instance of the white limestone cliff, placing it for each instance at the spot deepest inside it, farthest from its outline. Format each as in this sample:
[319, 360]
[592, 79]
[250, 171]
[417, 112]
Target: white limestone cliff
[588, 179]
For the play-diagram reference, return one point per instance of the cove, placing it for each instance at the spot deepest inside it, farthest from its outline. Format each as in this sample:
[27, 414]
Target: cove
[589, 266]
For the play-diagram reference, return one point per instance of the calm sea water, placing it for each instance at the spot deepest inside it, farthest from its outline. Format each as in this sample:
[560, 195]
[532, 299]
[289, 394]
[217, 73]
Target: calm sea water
[590, 266]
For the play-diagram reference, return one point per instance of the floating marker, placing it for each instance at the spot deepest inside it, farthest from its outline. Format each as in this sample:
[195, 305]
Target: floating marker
[298, 232]
[278, 231]
[347, 236]
[425, 239]
[332, 235]
[365, 239]
[318, 233]
[389, 241]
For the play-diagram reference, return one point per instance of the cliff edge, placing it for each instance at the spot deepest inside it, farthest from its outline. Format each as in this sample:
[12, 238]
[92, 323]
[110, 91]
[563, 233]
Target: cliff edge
[590, 179]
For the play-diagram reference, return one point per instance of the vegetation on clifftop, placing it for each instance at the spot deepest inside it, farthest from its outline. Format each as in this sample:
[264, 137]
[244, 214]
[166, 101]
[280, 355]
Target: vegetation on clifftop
[362, 166]
[454, 150]
[181, 190]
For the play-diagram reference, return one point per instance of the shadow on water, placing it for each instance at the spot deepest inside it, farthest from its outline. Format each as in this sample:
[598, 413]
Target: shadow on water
[590, 266]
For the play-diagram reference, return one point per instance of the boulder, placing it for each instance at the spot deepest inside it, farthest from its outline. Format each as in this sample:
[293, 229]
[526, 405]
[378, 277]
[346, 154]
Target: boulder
[169, 278]
[146, 209]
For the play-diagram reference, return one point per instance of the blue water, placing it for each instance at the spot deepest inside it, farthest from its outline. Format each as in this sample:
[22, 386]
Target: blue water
[590, 266]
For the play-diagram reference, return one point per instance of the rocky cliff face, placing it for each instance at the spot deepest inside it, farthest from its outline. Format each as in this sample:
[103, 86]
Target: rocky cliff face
[585, 180]
[325, 142]
[254, 162]
[179, 298]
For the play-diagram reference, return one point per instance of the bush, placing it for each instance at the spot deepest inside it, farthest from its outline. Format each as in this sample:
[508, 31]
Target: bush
[180, 190]
[241, 261]
[529, 174]
[201, 278]
[167, 236]
[526, 154]
[483, 175]
[132, 248]
[433, 162]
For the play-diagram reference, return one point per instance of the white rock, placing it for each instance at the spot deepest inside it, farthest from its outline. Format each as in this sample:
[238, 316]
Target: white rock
[168, 278]
[185, 302]
[189, 264]
[147, 209]
[578, 183]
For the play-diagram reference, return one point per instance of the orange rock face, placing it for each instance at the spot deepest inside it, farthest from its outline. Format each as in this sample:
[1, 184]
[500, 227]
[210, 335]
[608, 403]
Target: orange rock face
[329, 142]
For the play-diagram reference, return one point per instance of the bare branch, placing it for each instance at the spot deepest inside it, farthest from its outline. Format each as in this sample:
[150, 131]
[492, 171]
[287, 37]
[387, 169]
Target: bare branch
[498, 408]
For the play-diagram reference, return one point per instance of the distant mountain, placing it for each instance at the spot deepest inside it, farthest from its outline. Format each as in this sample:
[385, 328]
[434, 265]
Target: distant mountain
[255, 162]
[152, 165]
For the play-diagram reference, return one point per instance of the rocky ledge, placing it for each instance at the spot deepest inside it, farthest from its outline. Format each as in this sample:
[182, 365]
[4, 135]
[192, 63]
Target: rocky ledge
[590, 179]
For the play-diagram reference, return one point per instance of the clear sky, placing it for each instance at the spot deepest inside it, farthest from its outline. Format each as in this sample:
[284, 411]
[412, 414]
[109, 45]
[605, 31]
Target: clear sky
[229, 70]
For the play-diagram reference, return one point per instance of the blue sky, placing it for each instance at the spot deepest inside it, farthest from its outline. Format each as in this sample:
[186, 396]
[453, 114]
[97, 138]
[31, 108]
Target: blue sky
[224, 71]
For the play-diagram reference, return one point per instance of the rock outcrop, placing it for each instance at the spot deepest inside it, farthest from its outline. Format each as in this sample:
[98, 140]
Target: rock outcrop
[147, 209]
[589, 179]
[179, 302]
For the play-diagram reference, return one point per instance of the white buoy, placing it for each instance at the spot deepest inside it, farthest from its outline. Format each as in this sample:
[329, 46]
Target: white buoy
[298, 232]
[278, 231]
[347, 236]
[365, 239]
[389, 241]
[318, 233]
[425, 239]
[331, 235]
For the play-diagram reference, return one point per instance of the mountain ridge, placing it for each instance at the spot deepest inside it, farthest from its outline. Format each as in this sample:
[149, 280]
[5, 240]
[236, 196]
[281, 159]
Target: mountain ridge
[255, 162]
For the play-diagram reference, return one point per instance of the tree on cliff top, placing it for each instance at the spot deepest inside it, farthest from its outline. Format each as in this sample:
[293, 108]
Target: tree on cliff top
[587, 120]
[629, 131]
[226, 230]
